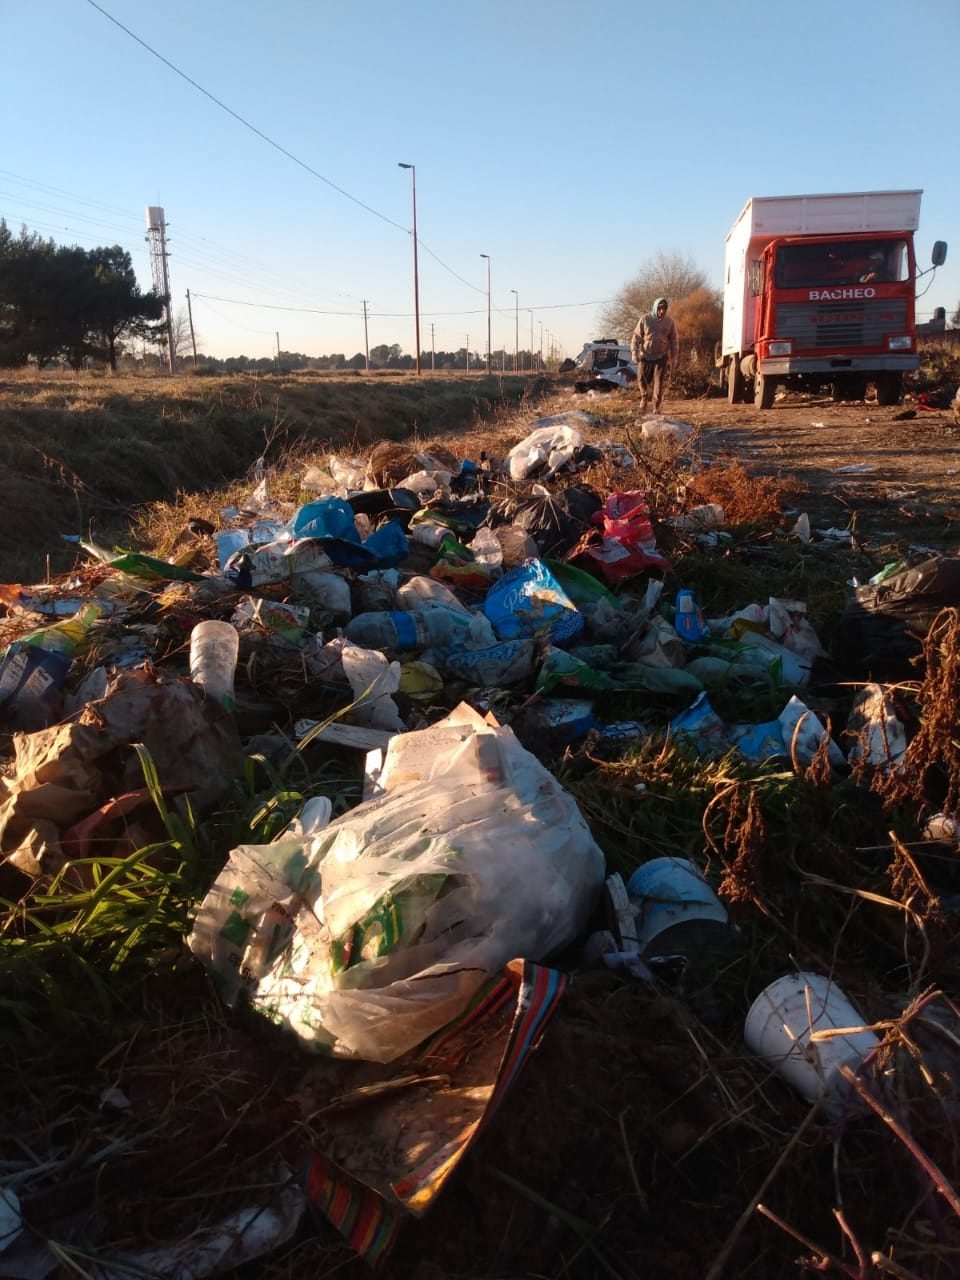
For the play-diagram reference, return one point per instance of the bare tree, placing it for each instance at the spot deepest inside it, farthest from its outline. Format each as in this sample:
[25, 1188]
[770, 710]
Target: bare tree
[667, 275]
[180, 324]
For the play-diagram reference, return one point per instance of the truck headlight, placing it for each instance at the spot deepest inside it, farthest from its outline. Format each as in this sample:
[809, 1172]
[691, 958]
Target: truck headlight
[902, 343]
[780, 348]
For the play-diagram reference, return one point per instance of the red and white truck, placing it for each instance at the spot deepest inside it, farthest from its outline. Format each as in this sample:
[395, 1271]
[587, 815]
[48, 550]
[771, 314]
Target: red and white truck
[820, 290]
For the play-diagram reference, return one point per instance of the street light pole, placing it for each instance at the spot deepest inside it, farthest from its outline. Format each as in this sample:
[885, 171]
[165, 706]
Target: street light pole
[540, 364]
[516, 331]
[531, 339]
[489, 346]
[416, 269]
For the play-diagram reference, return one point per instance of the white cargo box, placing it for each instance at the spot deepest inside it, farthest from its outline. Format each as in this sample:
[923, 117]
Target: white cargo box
[830, 214]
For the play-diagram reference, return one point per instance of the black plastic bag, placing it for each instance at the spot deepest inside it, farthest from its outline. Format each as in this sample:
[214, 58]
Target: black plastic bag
[555, 521]
[883, 627]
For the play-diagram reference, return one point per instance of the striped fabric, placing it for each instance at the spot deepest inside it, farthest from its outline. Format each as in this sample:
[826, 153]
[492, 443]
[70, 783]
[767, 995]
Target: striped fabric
[515, 1008]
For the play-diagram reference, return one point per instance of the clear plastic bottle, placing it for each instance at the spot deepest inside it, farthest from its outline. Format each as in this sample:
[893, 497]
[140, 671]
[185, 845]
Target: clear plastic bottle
[401, 631]
[213, 659]
[426, 593]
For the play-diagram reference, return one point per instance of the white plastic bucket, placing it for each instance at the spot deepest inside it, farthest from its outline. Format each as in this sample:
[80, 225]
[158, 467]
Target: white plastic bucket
[671, 891]
[786, 1024]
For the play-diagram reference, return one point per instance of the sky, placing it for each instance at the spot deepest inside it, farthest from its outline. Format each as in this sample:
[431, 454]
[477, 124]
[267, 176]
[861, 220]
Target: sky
[570, 142]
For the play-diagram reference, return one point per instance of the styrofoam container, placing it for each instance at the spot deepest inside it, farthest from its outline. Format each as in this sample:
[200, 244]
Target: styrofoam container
[671, 891]
[788, 1025]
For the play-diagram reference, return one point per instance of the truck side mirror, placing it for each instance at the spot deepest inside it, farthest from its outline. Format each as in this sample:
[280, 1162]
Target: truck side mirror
[756, 277]
[939, 255]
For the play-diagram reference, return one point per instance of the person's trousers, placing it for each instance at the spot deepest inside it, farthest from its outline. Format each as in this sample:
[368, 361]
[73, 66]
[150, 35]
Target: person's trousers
[653, 375]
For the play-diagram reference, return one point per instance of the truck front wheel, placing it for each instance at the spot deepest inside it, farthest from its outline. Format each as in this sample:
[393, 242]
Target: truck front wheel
[735, 387]
[889, 388]
[764, 390]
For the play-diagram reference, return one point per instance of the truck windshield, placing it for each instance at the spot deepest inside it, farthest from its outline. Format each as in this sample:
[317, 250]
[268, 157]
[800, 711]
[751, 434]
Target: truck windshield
[801, 266]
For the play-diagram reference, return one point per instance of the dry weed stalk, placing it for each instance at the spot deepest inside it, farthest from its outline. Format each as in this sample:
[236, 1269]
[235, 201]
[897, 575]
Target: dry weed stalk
[744, 836]
[935, 744]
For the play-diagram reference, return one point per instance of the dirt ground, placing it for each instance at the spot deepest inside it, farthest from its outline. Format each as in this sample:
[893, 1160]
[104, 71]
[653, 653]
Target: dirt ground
[860, 461]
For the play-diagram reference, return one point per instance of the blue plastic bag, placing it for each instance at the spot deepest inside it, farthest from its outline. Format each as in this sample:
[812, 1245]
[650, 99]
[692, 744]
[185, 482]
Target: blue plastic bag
[325, 518]
[529, 601]
[389, 544]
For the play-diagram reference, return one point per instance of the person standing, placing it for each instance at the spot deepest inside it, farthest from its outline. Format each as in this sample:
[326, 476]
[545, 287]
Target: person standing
[655, 347]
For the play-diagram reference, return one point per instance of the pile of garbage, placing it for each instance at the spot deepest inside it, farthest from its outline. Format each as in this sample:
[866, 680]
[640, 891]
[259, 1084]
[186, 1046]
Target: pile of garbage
[456, 624]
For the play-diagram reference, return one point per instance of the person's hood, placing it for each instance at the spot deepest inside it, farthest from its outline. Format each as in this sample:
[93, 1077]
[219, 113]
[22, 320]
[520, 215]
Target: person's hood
[656, 303]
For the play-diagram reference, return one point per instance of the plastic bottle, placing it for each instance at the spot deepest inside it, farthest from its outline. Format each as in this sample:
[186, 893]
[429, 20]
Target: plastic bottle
[401, 631]
[213, 659]
[425, 593]
[35, 666]
[688, 620]
[430, 535]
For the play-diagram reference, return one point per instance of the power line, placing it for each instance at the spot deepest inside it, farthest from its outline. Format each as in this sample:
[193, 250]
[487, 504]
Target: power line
[236, 115]
[396, 315]
[276, 145]
[218, 259]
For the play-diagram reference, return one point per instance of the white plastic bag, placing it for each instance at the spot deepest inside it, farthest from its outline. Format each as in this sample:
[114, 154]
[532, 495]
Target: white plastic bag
[803, 732]
[471, 854]
[348, 473]
[657, 427]
[373, 680]
[544, 451]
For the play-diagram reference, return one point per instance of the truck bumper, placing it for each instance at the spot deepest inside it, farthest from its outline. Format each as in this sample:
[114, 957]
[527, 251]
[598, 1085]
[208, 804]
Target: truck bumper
[827, 365]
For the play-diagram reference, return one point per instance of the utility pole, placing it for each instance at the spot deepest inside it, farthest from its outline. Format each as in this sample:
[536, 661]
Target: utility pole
[278, 351]
[433, 352]
[467, 352]
[516, 334]
[193, 339]
[489, 347]
[157, 239]
[531, 341]
[366, 338]
[416, 269]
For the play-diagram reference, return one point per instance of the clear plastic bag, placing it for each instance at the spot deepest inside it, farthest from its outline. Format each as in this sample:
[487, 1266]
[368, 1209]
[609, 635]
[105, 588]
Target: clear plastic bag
[471, 854]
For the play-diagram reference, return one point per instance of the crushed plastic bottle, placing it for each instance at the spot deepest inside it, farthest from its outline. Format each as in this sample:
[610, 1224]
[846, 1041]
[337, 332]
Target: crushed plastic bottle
[401, 631]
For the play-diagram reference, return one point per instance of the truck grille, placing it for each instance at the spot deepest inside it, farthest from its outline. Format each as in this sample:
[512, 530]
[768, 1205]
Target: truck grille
[822, 326]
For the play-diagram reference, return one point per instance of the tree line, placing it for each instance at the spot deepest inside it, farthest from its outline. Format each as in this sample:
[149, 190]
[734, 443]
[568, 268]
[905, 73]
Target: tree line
[382, 357]
[67, 304]
[64, 303]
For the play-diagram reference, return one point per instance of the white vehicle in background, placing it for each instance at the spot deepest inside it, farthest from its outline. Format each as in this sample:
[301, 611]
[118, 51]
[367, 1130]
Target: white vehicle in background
[606, 364]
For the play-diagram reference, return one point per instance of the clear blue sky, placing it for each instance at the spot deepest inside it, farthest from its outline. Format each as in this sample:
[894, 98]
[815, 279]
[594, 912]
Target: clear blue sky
[569, 141]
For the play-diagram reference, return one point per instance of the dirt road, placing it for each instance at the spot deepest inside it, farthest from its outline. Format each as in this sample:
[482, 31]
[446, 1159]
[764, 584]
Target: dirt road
[855, 460]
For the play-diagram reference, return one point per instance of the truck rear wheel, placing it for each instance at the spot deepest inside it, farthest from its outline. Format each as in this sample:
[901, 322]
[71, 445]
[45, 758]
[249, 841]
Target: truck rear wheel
[764, 390]
[735, 387]
[889, 388]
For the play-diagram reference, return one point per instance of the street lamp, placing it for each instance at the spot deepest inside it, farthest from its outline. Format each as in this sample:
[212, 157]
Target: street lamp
[489, 347]
[516, 331]
[540, 364]
[416, 271]
[531, 339]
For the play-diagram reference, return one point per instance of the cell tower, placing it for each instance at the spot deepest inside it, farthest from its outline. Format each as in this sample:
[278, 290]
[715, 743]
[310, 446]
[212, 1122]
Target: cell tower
[157, 239]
